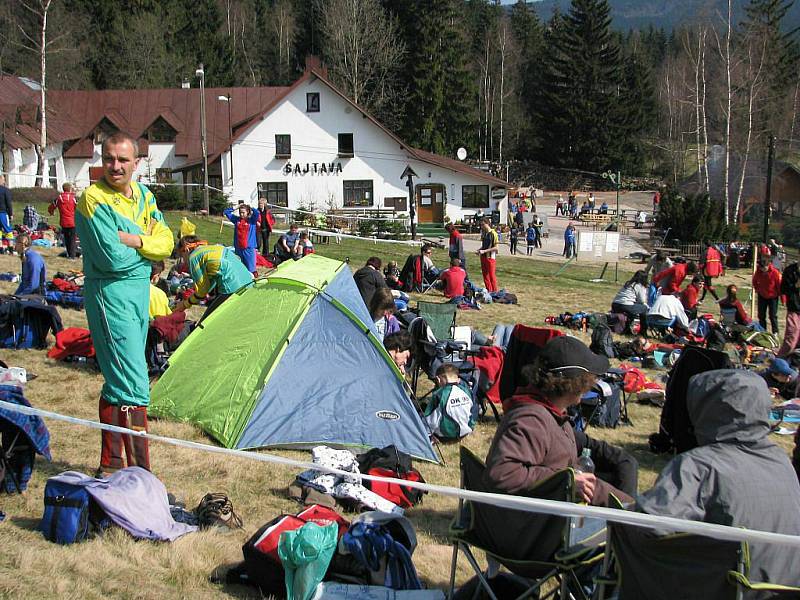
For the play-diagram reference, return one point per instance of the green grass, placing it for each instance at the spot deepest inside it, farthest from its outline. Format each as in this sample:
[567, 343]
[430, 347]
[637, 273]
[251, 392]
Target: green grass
[117, 566]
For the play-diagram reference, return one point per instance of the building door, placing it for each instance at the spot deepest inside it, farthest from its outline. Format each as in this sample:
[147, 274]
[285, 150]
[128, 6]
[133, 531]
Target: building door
[430, 203]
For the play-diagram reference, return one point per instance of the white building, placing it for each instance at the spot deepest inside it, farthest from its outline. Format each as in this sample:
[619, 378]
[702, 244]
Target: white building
[306, 145]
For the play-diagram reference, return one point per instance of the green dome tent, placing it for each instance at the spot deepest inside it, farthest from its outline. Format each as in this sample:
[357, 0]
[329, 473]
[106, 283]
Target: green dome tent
[292, 361]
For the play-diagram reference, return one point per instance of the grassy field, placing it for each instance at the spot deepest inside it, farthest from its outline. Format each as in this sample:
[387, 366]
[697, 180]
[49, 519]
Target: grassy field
[119, 567]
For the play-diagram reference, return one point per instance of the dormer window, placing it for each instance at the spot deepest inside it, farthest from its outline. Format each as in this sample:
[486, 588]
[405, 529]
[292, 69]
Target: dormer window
[104, 129]
[161, 132]
[312, 102]
[283, 145]
[346, 145]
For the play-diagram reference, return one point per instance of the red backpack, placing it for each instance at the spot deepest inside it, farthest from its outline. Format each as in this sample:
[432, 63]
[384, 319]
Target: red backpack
[403, 496]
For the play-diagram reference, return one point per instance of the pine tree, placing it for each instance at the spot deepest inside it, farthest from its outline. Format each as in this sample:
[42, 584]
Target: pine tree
[529, 33]
[439, 94]
[580, 79]
[198, 39]
[636, 112]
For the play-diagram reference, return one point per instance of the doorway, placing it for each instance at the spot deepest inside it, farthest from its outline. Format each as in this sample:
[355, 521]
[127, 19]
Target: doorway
[430, 203]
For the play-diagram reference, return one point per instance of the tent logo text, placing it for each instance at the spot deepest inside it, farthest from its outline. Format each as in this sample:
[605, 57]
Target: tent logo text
[387, 415]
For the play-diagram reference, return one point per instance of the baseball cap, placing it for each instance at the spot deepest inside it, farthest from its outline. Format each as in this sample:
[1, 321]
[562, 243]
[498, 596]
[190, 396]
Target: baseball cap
[780, 367]
[571, 357]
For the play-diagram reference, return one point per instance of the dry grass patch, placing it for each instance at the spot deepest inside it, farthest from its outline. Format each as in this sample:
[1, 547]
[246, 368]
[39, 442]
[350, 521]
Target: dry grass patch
[120, 567]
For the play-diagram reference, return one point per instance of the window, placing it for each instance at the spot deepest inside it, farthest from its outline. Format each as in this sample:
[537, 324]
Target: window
[358, 192]
[52, 174]
[396, 202]
[161, 132]
[164, 175]
[312, 102]
[104, 130]
[475, 196]
[274, 192]
[283, 146]
[346, 145]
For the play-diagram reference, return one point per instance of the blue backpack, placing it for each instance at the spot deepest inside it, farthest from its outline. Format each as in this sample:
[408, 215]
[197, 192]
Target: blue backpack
[66, 513]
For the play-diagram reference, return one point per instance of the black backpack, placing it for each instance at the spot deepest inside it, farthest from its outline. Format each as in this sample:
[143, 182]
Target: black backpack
[603, 342]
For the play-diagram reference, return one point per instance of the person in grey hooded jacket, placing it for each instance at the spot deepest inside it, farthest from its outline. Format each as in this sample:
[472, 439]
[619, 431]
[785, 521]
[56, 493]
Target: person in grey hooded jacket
[735, 476]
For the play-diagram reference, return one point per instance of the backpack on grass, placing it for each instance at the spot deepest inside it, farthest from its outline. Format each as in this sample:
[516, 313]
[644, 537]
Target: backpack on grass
[66, 513]
[603, 342]
[390, 462]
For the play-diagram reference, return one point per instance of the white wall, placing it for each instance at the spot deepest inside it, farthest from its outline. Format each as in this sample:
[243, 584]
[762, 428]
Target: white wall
[314, 139]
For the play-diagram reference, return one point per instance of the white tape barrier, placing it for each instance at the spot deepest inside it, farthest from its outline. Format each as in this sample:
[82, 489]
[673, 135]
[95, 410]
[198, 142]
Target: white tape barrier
[549, 507]
[280, 208]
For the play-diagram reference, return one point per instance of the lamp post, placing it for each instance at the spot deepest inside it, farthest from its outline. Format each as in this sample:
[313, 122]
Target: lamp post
[408, 175]
[202, 75]
[616, 179]
[227, 99]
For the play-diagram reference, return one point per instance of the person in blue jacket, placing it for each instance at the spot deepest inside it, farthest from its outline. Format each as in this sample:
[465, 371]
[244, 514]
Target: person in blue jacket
[34, 272]
[570, 248]
[245, 237]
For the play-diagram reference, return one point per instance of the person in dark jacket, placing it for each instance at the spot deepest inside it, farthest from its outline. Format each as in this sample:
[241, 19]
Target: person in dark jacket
[781, 379]
[456, 245]
[6, 207]
[535, 438]
[790, 288]
[735, 476]
[368, 279]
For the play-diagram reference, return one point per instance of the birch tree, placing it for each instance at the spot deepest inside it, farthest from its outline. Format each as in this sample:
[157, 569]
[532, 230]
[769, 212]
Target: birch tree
[363, 53]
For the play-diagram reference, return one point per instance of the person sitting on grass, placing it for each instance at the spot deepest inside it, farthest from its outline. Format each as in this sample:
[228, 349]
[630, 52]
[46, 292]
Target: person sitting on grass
[159, 303]
[667, 311]
[34, 271]
[449, 412]
[631, 300]
[392, 275]
[398, 345]
[453, 279]
[781, 379]
[381, 309]
[304, 246]
[284, 249]
[690, 296]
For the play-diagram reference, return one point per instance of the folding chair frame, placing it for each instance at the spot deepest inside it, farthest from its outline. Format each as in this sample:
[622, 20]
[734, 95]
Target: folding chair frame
[562, 573]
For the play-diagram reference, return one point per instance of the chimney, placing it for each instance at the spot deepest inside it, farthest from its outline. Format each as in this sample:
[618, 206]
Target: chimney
[315, 62]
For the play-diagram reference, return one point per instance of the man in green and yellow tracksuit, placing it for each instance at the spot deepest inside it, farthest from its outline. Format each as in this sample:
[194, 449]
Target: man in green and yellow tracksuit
[121, 230]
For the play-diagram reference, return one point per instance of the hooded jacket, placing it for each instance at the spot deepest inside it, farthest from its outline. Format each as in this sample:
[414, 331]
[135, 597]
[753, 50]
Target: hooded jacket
[735, 476]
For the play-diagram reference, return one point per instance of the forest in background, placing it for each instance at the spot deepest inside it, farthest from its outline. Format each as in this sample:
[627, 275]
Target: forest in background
[569, 91]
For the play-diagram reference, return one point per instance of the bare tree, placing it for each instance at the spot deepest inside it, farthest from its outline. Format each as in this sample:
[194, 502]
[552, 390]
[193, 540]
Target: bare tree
[362, 52]
[756, 50]
[728, 113]
[285, 28]
[697, 57]
[31, 24]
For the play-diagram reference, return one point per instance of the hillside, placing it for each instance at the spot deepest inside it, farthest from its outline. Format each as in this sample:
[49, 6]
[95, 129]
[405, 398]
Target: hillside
[638, 14]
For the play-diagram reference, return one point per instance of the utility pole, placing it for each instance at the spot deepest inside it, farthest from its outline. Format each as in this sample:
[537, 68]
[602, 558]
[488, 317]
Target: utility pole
[202, 75]
[768, 195]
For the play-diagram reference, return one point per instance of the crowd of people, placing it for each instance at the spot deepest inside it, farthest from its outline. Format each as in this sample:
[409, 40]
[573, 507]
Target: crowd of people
[735, 476]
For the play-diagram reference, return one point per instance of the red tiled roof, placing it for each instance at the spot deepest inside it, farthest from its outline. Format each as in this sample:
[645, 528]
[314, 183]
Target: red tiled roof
[74, 115]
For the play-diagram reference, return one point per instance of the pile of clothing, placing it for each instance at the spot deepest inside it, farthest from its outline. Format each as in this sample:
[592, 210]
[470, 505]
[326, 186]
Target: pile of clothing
[66, 289]
[347, 490]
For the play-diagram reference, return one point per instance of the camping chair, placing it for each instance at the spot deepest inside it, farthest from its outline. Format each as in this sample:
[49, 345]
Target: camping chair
[728, 317]
[441, 318]
[523, 346]
[536, 547]
[663, 567]
[21, 437]
[659, 325]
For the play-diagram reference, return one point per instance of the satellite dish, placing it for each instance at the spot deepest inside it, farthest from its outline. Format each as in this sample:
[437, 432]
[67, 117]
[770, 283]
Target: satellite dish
[461, 153]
